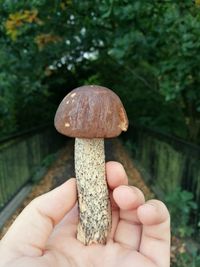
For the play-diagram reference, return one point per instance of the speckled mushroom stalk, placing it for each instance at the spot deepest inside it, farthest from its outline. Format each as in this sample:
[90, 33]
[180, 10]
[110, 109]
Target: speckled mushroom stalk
[90, 114]
[94, 205]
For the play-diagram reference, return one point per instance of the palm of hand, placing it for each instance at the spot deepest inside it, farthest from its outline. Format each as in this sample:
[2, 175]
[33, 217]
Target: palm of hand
[140, 233]
[63, 245]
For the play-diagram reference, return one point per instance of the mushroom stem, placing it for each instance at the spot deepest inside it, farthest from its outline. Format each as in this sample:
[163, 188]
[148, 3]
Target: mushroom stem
[93, 196]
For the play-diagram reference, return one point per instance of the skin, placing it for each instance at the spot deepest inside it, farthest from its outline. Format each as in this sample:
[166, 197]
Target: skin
[44, 234]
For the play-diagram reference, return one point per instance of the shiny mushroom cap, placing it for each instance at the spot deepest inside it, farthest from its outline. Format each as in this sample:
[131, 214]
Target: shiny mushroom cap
[91, 111]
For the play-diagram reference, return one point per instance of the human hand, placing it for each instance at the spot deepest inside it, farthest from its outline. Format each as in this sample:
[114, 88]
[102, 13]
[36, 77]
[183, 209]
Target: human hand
[44, 234]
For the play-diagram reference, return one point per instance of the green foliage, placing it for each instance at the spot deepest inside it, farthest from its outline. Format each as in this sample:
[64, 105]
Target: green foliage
[188, 258]
[181, 205]
[147, 51]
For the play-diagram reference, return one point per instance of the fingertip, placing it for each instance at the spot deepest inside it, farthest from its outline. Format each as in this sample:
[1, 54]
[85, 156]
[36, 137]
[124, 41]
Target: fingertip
[128, 197]
[70, 182]
[68, 188]
[116, 174]
[153, 212]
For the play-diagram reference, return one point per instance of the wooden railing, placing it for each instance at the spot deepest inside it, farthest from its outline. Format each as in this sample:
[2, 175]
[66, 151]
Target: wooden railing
[169, 162]
[20, 157]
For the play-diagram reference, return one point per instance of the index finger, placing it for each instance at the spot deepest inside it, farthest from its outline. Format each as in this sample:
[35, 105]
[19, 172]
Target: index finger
[115, 174]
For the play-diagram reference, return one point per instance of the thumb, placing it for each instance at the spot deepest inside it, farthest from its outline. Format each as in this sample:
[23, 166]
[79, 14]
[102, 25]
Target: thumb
[30, 231]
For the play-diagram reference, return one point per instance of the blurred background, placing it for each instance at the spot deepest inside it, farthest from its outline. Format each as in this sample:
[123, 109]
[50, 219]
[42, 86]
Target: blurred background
[148, 52]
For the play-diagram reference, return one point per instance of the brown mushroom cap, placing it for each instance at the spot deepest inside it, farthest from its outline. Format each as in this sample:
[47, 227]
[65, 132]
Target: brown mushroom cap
[91, 111]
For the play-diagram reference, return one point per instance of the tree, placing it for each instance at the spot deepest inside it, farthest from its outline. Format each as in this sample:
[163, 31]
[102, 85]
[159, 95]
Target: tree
[148, 51]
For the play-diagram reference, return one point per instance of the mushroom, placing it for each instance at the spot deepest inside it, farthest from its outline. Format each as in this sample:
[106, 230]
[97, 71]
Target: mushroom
[90, 114]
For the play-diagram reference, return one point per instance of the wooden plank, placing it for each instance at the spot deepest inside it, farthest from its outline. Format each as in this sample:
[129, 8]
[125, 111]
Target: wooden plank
[11, 207]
